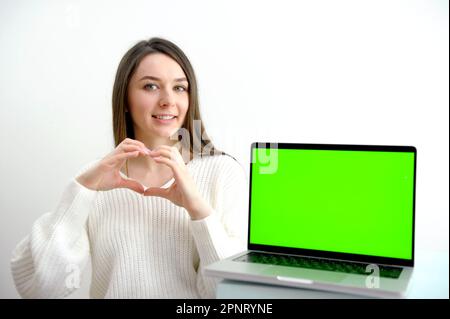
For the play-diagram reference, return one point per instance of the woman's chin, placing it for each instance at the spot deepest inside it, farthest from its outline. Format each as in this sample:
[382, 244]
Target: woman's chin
[168, 134]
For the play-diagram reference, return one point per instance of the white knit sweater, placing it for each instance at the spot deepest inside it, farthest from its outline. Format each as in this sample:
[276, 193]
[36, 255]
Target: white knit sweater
[140, 247]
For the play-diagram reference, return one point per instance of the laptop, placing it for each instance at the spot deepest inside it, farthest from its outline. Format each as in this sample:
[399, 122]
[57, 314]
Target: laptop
[329, 217]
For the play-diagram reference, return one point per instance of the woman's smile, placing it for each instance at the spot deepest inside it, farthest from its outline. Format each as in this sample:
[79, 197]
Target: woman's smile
[164, 118]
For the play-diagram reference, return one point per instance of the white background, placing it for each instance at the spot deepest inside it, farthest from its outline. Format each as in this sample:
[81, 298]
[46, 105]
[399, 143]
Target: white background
[349, 72]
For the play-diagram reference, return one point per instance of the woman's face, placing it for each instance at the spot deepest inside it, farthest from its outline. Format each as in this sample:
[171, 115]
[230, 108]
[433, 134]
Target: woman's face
[158, 96]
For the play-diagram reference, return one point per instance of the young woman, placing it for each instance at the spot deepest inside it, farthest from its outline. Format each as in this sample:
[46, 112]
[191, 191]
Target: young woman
[156, 210]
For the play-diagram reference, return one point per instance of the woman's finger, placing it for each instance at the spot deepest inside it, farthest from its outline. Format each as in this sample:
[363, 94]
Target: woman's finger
[166, 153]
[132, 147]
[119, 158]
[126, 146]
[157, 191]
[138, 150]
[132, 184]
[129, 141]
[171, 154]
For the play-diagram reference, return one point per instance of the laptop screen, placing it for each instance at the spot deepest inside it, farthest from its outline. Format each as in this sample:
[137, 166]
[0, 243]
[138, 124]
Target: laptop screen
[334, 198]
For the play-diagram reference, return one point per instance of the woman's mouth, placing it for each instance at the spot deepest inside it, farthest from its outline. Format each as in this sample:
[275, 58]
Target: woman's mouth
[164, 118]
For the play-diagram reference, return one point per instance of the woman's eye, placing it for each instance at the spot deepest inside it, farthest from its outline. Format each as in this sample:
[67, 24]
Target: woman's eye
[150, 86]
[153, 87]
[180, 88]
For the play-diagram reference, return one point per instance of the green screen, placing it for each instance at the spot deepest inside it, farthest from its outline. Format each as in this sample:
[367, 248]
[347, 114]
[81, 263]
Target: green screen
[358, 202]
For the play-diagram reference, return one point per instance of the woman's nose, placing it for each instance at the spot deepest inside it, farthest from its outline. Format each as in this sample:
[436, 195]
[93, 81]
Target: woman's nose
[167, 98]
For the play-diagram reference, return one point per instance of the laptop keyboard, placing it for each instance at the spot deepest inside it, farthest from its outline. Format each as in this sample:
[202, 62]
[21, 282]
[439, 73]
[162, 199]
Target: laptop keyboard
[318, 264]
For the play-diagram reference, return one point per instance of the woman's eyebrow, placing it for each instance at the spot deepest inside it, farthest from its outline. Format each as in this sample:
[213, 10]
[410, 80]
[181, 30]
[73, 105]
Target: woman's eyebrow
[149, 77]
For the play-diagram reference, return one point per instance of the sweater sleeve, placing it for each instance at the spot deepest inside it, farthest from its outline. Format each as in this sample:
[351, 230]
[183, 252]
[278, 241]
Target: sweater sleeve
[43, 263]
[224, 232]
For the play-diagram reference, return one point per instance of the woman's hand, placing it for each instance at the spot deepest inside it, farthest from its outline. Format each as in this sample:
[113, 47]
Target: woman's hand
[105, 175]
[183, 192]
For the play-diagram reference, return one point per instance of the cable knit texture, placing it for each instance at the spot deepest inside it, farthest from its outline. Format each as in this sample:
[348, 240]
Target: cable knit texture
[140, 247]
